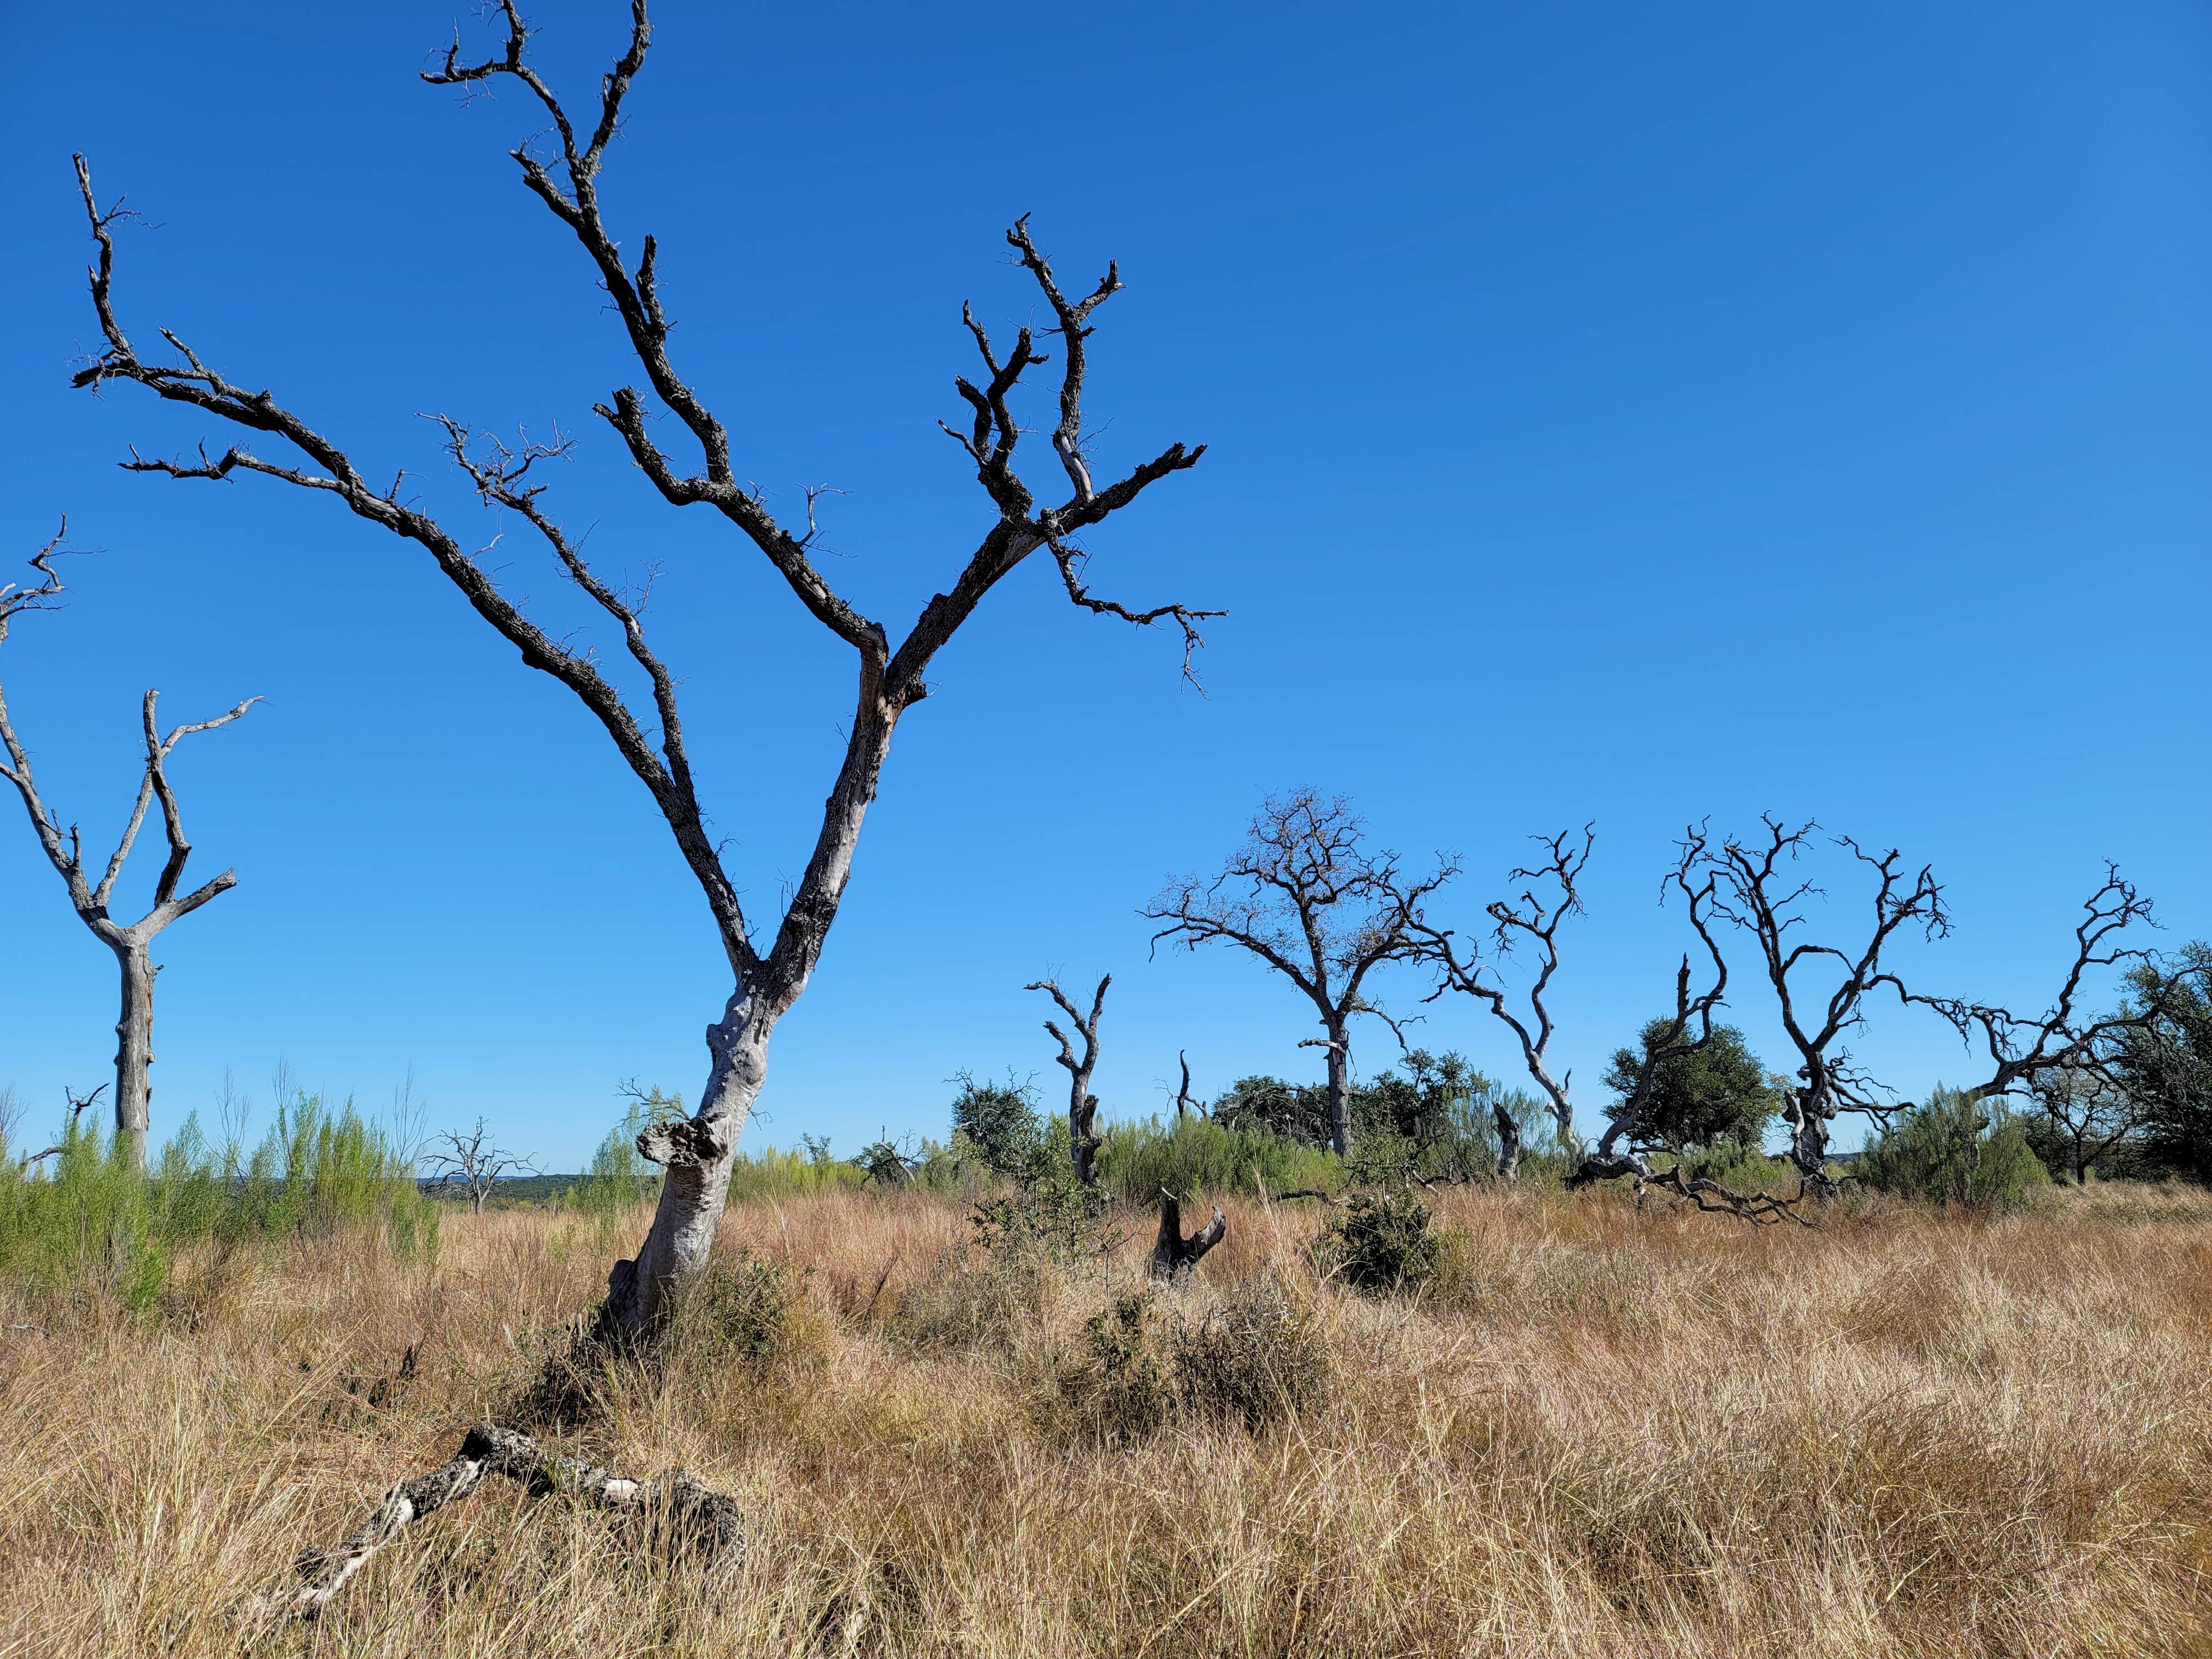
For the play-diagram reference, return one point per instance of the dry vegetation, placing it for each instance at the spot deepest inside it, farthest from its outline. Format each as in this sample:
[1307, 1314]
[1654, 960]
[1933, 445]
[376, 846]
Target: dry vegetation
[1601, 1432]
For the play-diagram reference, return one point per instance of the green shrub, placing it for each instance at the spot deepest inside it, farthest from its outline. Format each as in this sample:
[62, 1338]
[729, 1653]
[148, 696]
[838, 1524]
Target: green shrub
[1380, 1243]
[1257, 1357]
[1955, 1150]
[751, 1307]
[1193, 1155]
[88, 1219]
[1146, 1360]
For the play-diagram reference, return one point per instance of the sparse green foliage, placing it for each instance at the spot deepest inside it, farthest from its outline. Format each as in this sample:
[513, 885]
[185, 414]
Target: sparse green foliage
[751, 1307]
[88, 1219]
[1955, 1150]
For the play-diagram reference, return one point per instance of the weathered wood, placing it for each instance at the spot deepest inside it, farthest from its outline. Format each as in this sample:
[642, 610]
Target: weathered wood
[691, 1515]
[1174, 1256]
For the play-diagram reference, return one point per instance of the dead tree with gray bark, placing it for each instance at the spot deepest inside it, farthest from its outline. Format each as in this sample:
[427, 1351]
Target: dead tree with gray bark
[474, 1163]
[1306, 895]
[1082, 1104]
[767, 973]
[1553, 894]
[92, 897]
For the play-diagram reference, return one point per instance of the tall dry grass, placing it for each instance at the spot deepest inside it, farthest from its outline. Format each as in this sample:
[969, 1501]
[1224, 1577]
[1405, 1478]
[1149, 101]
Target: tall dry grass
[1602, 1432]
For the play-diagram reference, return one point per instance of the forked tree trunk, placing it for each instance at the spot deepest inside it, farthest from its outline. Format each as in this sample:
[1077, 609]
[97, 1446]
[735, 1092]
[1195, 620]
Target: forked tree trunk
[134, 1050]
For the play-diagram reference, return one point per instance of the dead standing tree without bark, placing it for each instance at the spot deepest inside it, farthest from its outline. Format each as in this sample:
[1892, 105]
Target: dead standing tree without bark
[1534, 920]
[1305, 896]
[1082, 1104]
[767, 981]
[132, 942]
[2059, 1046]
[1756, 888]
[475, 1163]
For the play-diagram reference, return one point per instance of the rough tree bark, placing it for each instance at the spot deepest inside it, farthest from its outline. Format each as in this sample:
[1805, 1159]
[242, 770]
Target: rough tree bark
[132, 942]
[1305, 896]
[889, 677]
[1082, 1104]
[1174, 1256]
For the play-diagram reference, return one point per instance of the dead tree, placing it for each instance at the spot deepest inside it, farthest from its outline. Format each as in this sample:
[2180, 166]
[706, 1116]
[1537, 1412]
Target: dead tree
[1759, 891]
[1305, 896]
[1174, 1256]
[690, 1516]
[1533, 920]
[768, 976]
[2059, 1042]
[1082, 1104]
[132, 942]
[1184, 1103]
[475, 1163]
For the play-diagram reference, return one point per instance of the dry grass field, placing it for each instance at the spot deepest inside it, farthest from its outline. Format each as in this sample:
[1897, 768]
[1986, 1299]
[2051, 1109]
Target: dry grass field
[1601, 1432]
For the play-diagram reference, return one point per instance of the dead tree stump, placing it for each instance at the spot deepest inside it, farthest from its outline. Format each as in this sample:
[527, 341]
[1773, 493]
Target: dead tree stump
[1173, 1256]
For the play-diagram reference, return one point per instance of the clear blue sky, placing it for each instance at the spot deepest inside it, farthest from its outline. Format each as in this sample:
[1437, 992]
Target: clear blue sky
[1614, 412]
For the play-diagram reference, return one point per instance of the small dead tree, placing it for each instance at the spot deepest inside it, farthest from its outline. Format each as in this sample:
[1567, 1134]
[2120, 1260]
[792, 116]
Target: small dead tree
[1533, 920]
[474, 1163]
[132, 942]
[1174, 1256]
[1184, 1104]
[1305, 896]
[769, 974]
[1082, 1104]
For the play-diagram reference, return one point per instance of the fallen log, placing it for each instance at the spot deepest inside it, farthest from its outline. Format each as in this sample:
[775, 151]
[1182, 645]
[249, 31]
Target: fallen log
[689, 1515]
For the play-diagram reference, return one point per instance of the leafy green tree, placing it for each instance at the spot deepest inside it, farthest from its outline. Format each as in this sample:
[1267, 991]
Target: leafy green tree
[1000, 1120]
[2165, 1065]
[1294, 1111]
[1717, 1092]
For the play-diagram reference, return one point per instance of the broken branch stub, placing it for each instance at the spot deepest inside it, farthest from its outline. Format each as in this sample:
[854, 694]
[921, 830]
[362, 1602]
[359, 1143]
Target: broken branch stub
[1174, 1256]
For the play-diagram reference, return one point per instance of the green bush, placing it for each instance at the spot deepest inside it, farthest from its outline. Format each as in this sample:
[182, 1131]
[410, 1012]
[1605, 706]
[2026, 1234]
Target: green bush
[1193, 1155]
[1955, 1150]
[1254, 1358]
[752, 1307]
[87, 1218]
[1380, 1243]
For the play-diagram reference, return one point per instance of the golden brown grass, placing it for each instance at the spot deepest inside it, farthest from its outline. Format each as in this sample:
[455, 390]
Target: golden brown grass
[1602, 1433]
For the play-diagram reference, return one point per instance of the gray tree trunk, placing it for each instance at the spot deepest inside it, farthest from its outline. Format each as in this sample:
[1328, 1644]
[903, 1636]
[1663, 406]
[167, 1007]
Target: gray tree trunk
[1339, 1092]
[1508, 1140]
[134, 1049]
[696, 1154]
